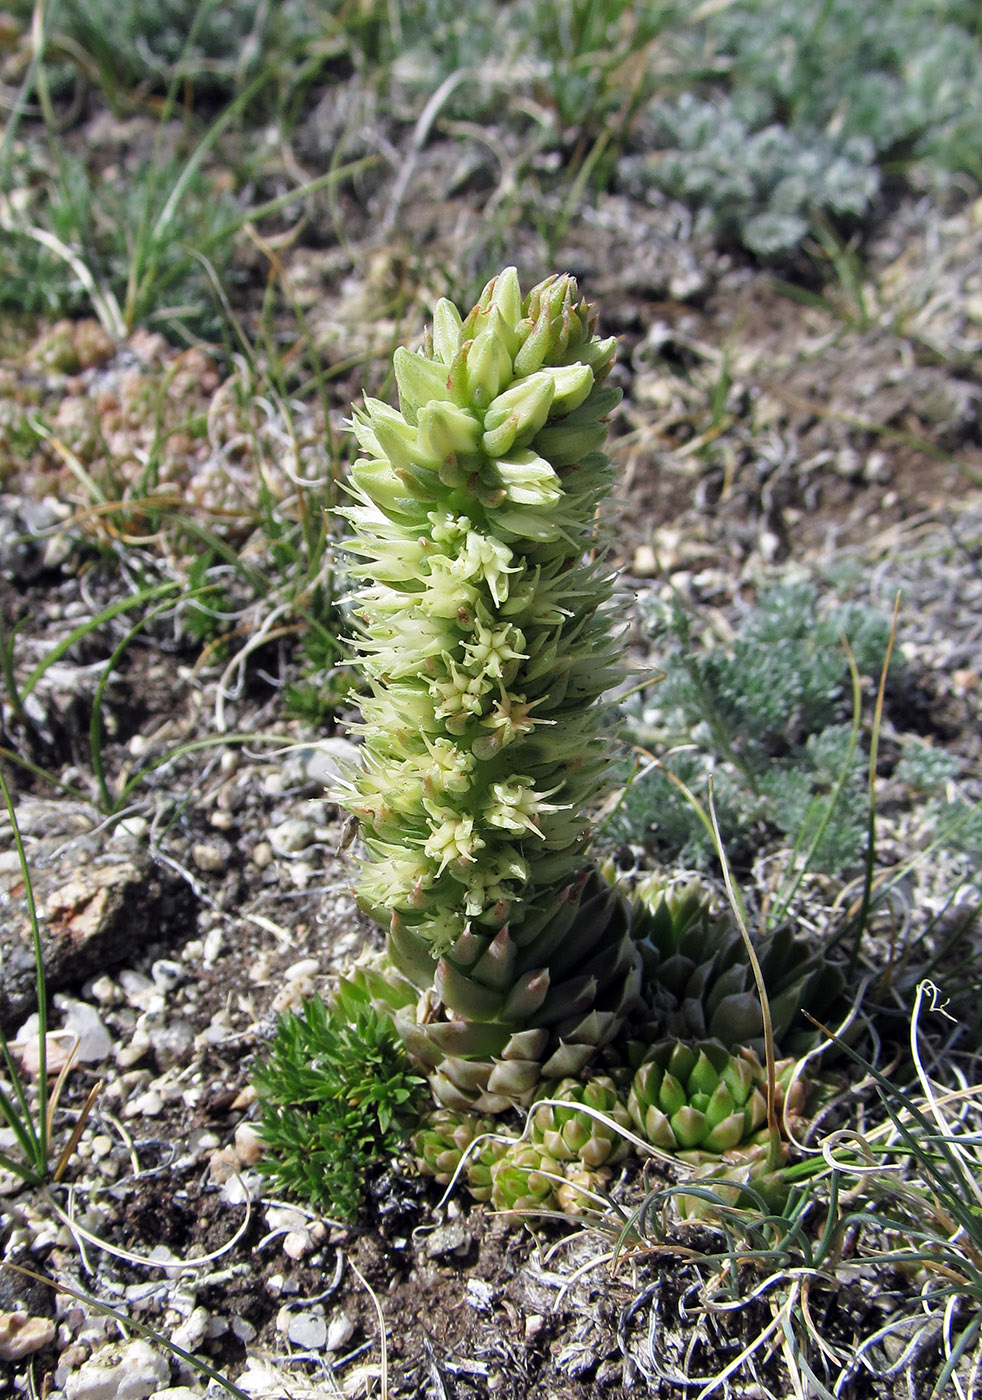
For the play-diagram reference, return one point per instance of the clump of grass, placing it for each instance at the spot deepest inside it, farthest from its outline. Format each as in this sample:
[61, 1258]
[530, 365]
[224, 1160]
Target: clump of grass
[337, 1098]
[131, 236]
[30, 1121]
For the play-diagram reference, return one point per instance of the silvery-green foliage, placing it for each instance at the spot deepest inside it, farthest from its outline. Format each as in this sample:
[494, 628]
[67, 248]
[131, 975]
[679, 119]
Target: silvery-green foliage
[792, 109]
[770, 715]
[763, 184]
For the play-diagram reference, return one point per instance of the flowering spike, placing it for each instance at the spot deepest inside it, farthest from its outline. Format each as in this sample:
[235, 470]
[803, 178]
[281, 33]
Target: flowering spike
[485, 632]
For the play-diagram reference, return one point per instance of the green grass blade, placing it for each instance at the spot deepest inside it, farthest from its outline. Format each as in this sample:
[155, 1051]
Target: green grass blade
[194, 746]
[133, 1324]
[18, 1119]
[40, 1133]
[145, 595]
[43, 774]
[863, 914]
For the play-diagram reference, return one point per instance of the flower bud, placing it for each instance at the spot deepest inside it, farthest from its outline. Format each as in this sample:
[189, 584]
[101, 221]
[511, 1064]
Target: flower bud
[444, 430]
[527, 478]
[447, 338]
[488, 368]
[516, 415]
[418, 380]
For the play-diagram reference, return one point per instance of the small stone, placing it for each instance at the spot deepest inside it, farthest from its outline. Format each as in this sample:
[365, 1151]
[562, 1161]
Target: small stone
[290, 836]
[645, 563]
[94, 1041]
[208, 858]
[148, 1105]
[21, 1335]
[260, 1379]
[307, 1330]
[301, 873]
[340, 1331]
[138, 988]
[223, 1165]
[534, 1327]
[57, 1049]
[171, 1042]
[285, 1218]
[105, 991]
[167, 974]
[248, 1144]
[193, 1331]
[262, 854]
[297, 1244]
[326, 762]
[480, 1294]
[101, 1146]
[453, 1238]
[134, 1373]
[214, 939]
[302, 971]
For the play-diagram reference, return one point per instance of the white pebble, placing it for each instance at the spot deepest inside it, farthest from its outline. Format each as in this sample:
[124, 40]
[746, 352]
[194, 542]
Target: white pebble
[94, 1041]
[147, 1105]
[307, 1330]
[325, 763]
[297, 1244]
[193, 1331]
[134, 1373]
[290, 836]
[20, 1335]
[301, 873]
[167, 974]
[302, 971]
[104, 990]
[248, 1144]
[213, 945]
[285, 1218]
[138, 989]
[339, 1332]
[262, 854]
[209, 858]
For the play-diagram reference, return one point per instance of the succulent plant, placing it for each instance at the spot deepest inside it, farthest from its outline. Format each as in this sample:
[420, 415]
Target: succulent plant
[444, 1138]
[525, 1179]
[736, 1179]
[698, 980]
[700, 1100]
[568, 1134]
[485, 633]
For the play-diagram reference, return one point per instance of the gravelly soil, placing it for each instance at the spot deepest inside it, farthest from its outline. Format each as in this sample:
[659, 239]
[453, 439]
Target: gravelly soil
[842, 443]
